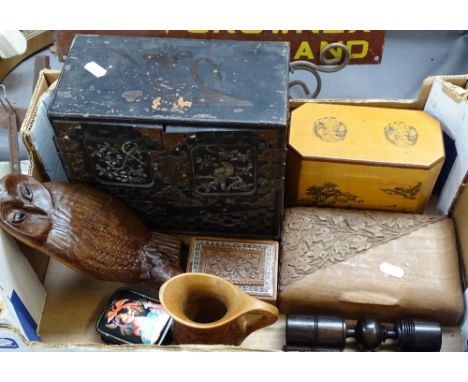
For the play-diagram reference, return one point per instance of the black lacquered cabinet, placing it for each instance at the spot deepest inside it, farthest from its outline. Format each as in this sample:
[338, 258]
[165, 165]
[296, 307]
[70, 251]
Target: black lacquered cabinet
[189, 133]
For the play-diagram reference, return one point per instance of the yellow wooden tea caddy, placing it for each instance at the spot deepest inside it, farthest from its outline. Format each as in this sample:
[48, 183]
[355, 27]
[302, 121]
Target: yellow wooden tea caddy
[363, 157]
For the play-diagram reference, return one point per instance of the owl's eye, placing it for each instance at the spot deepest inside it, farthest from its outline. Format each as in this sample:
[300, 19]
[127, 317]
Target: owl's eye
[26, 192]
[18, 217]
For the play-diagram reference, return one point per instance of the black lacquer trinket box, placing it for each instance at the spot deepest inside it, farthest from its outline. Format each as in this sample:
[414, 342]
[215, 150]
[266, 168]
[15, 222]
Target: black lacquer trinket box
[134, 318]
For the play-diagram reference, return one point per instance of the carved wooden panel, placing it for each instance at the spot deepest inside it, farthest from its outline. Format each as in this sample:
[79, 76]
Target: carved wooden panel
[314, 238]
[250, 264]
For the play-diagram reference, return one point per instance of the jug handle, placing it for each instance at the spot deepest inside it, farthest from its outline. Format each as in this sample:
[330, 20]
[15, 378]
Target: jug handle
[258, 315]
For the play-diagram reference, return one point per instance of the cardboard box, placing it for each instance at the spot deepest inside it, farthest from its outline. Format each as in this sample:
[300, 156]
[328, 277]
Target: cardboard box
[362, 157]
[46, 78]
[22, 296]
[74, 301]
[449, 103]
[464, 325]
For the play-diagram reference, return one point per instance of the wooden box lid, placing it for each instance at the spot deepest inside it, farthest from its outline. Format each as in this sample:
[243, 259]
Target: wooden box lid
[252, 265]
[395, 137]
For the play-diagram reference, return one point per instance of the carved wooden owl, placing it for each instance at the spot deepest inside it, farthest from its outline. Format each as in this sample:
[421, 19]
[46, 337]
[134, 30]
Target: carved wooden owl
[86, 229]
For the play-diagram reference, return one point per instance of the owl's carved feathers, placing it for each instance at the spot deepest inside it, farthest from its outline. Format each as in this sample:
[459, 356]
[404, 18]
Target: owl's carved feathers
[86, 229]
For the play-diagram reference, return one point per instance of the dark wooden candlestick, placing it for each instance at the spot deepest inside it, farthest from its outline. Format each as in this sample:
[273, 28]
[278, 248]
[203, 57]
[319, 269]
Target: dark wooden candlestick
[309, 332]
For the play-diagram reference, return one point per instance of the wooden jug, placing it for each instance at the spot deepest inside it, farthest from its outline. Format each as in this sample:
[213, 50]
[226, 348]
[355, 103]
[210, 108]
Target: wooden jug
[207, 309]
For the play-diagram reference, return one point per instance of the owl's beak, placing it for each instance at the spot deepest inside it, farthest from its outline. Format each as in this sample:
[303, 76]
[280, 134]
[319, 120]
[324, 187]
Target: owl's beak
[34, 210]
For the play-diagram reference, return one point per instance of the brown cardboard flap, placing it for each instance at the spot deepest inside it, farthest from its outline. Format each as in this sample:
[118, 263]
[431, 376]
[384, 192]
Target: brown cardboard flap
[455, 92]
[46, 78]
[460, 215]
[415, 104]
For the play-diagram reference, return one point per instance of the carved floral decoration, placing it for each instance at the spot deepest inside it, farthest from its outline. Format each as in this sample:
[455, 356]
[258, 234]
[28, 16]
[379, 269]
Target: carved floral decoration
[315, 238]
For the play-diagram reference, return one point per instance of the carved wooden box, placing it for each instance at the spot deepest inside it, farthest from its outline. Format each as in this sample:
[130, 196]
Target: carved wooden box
[252, 265]
[363, 263]
[191, 134]
[363, 157]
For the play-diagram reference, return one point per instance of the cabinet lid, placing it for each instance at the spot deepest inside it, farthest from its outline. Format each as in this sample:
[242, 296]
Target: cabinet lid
[181, 80]
[343, 133]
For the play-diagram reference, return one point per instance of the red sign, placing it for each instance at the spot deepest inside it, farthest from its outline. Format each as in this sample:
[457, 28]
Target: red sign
[365, 46]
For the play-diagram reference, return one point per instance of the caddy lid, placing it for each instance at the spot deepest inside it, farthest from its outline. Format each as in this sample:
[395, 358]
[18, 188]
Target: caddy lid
[344, 133]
